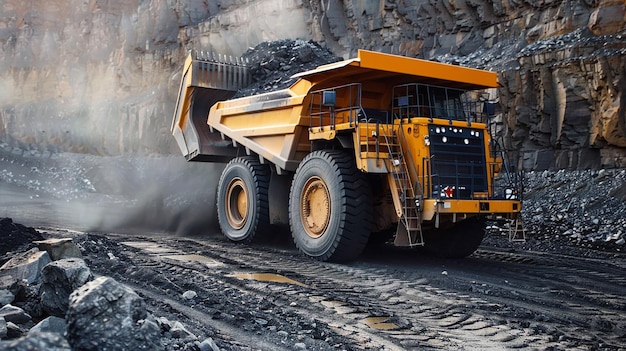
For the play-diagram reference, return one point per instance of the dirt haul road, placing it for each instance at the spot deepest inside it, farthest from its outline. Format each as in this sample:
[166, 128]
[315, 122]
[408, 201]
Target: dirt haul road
[272, 298]
[548, 293]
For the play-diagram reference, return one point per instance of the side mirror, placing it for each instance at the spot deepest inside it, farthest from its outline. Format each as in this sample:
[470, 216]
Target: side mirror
[329, 98]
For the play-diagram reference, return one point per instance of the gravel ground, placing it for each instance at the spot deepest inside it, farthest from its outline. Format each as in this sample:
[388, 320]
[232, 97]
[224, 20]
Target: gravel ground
[571, 210]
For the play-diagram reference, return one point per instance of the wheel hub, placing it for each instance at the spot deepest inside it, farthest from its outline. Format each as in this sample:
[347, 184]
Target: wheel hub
[315, 207]
[237, 203]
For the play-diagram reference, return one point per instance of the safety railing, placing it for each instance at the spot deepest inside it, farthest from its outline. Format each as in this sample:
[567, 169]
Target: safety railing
[424, 100]
[340, 104]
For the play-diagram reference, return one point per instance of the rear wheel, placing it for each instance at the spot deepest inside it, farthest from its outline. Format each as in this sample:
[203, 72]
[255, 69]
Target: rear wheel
[242, 199]
[329, 206]
[458, 241]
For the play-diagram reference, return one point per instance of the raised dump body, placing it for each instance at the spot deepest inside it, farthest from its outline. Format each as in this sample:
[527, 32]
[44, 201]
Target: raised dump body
[206, 79]
[372, 146]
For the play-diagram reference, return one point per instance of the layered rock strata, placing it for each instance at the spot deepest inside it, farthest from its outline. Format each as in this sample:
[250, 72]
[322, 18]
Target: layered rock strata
[101, 77]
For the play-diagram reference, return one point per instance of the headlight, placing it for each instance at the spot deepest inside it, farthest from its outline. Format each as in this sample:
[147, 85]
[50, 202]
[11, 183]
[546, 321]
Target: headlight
[510, 194]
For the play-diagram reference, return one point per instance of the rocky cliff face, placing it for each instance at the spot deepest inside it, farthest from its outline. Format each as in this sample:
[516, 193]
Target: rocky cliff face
[100, 76]
[562, 64]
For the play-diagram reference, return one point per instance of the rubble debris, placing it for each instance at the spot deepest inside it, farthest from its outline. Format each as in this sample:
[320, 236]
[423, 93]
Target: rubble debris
[104, 314]
[13, 331]
[579, 208]
[14, 314]
[59, 279]
[207, 345]
[39, 341]
[180, 332]
[190, 295]
[15, 237]
[6, 296]
[51, 324]
[3, 328]
[26, 266]
[59, 248]
[101, 315]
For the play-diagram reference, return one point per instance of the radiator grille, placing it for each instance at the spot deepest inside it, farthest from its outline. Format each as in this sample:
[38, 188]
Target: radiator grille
[457, 158]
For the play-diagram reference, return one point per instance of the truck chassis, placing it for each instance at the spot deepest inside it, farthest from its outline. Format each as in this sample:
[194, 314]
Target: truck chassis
[376, 147]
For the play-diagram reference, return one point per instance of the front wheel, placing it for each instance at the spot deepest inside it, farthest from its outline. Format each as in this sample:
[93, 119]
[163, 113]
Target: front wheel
[242, 199]
[329, 206]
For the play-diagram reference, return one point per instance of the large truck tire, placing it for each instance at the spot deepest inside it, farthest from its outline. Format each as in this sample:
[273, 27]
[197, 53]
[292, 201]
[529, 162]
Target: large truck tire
[329, 206]
[242, 199]
[458, 241]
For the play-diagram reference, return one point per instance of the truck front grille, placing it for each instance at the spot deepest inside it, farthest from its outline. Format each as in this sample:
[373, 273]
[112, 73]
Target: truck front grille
[457, 159]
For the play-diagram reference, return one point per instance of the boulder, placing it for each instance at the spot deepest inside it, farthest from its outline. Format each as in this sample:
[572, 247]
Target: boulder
[14, 331]
[59, 248]
[51, 324]
[189, 295]
[608, 18]
[106, 315]
[3, 328]
[59, 279]
[207, 345]
[14, 314]
[40, 341]
[26, 266]
[180, 332]
[6, 297]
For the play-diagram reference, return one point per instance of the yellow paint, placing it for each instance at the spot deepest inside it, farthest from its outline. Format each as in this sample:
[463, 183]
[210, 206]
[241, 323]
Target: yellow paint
[380, 323]
[266, 277]
[479, 79]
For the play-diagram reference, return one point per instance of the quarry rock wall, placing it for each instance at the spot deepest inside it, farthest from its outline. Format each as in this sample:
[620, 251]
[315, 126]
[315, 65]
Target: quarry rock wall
[101, 76]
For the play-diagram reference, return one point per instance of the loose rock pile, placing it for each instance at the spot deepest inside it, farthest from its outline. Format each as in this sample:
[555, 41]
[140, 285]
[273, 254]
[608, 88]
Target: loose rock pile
[59, 305]
[585, 207]
[567, 210]
[15, 237]
[273, 63]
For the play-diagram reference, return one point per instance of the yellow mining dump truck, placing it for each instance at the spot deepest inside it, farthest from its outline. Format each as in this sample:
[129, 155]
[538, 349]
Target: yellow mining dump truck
[353, 151]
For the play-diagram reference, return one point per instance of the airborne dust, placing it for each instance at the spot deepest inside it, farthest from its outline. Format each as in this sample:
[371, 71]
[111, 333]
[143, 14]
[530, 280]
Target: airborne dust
[73, 181]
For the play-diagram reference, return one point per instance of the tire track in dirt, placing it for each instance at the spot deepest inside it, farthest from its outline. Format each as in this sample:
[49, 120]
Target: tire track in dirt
[494, 300]
[419, 315]
[583, 298]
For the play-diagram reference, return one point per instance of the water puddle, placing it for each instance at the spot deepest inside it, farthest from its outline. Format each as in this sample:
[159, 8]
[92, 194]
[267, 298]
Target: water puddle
[170, 253]
[138, 244]
[267, 277]
[194, 258]
[379, 323]
[338, 306]
[328, 303]
[148, 246]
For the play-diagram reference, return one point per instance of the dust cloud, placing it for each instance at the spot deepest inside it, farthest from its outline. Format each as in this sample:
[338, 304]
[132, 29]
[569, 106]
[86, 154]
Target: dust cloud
[157, 194]
[85, 110]
[128, 193]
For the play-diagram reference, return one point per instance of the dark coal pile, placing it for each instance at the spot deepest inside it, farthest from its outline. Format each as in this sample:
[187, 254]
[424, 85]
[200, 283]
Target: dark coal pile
[273, 63]
[583, 209]
[582, 38]
[503, 55]
[586, 207]
[15, 237]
